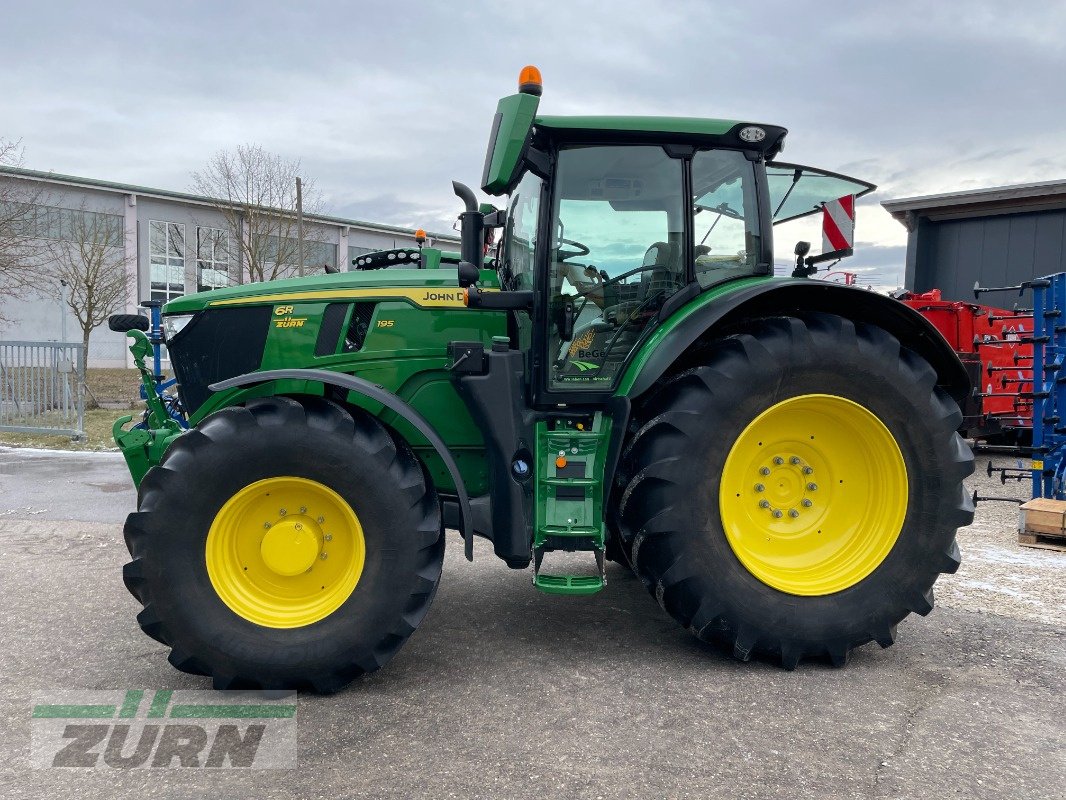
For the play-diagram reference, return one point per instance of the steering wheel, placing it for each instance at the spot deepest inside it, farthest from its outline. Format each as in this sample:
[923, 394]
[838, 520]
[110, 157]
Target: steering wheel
[579, 249]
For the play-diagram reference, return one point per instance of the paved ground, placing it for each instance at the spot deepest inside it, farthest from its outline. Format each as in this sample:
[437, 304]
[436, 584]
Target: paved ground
[507, 693]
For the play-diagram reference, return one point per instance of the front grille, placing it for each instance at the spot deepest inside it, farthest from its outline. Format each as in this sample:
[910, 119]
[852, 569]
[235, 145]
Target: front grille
[217, 344]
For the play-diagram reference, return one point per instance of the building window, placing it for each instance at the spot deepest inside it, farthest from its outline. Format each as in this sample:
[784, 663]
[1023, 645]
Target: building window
[64, 224]
[212, 259]
[286, 252]
[319, 255]
[166, 250]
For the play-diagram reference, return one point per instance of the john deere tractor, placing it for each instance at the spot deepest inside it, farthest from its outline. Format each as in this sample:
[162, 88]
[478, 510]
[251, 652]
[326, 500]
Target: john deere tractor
[607, 368]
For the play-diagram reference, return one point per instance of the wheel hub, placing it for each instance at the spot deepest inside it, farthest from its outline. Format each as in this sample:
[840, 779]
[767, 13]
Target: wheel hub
[291, 546]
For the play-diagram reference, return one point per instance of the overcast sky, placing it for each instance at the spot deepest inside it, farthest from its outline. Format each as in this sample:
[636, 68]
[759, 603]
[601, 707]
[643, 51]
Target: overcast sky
[385, 103]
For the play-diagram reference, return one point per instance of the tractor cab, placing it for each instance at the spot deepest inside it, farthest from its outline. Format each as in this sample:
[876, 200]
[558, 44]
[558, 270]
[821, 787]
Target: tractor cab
[612, 223]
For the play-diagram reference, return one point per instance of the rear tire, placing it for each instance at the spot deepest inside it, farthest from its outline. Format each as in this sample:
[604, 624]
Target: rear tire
[252, 639]
[671, 510]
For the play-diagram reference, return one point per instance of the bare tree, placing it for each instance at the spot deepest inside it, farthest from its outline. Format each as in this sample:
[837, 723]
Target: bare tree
[255, 192]
[18, 253]
[90, 270]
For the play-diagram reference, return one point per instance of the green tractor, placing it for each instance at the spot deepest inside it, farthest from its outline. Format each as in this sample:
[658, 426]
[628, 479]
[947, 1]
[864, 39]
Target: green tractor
[608, 367]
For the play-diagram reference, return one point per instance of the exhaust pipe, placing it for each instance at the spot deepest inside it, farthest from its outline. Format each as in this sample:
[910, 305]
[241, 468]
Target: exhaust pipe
[472, 229]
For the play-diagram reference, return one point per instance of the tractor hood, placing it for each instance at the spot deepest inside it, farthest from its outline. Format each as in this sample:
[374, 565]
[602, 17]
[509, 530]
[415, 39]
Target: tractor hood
[420, 286]
[321, 321]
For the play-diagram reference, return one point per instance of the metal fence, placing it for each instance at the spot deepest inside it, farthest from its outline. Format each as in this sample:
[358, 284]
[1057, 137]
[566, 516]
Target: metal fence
[41, 388]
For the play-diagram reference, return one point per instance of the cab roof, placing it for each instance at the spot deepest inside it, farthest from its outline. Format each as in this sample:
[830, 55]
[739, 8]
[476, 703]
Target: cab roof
[717, 131]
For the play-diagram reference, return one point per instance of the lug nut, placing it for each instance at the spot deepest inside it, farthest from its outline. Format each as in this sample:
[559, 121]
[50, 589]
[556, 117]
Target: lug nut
[328, 537]
[323, 556]
[764, 504]
[764, 471]
[807, 503]
[321, 520]
[283, 512]
[794, 460]
[808, 470]
[759, 487]
[303, 509]
[793, 513]
[266, 526]
[778, 460]
[777, 513]
[813, 487]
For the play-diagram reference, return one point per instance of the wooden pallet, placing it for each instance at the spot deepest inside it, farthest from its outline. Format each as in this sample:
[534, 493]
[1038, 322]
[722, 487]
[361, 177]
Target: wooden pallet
[1042, 524]
[1042, 541]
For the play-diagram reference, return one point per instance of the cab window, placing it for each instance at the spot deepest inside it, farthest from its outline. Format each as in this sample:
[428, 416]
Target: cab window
[725, 216]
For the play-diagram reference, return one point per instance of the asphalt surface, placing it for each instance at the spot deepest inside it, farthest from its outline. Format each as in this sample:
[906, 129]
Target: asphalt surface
[503, 692]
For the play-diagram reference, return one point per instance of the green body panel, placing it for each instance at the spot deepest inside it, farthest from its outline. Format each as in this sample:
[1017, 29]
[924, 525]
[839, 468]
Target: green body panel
[503, 160]
[698, 303]
[664, 125]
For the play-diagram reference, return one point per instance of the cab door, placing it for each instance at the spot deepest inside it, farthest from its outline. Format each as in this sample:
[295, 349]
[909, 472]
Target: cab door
[618, 248]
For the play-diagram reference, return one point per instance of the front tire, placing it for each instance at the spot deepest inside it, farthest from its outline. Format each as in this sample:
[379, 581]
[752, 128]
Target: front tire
[286, 544]
[722, 517]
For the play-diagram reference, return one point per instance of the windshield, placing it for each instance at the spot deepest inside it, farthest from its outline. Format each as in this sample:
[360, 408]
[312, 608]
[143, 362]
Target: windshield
[796, 191]
[520, 234]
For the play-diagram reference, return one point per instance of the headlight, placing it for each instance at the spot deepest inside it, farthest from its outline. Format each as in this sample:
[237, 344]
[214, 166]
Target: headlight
[173, 324]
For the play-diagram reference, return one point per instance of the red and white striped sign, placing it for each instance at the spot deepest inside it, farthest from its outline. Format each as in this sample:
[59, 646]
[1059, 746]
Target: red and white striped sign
[838, 224]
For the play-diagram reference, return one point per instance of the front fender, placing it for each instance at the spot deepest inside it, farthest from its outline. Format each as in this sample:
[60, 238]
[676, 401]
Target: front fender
[720, 307]
[373, 392]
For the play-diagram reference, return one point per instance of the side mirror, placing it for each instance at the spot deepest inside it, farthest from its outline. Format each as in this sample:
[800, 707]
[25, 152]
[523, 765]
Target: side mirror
[468, 274]
[563, 318]
[802, 248]
[121, 323]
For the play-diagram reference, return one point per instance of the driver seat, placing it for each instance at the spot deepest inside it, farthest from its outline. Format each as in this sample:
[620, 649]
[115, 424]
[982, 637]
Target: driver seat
[665, 278]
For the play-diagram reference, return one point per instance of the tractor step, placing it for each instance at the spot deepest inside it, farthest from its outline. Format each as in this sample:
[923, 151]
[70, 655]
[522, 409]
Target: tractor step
[569, 584]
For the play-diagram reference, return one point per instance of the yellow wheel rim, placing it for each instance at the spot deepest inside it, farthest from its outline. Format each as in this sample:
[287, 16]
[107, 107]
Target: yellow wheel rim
[285, 552]
[813, 494]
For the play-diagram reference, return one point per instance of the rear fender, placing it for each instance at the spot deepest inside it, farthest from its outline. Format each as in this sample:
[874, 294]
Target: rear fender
[715, 312]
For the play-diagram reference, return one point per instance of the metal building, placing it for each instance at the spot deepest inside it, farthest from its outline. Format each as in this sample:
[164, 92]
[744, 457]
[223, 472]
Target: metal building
[175, 243]
[997, 237]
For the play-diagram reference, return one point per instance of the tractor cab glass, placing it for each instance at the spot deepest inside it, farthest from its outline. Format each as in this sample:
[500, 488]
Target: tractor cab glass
[518, 243]
[796, 191]
[725, 216]
[617, 253]
[623, 236]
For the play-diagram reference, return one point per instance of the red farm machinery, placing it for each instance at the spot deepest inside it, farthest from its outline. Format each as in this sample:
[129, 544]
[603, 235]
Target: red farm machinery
[995, 345]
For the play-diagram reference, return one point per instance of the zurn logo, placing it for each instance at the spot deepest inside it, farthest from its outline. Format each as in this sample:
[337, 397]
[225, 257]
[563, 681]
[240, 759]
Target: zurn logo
[137, 729]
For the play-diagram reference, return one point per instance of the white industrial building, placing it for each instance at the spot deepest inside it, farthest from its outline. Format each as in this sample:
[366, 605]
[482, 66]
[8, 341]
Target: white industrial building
[176, 243]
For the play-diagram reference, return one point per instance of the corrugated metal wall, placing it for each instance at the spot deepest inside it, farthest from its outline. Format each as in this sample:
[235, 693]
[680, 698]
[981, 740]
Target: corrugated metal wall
[997, 251]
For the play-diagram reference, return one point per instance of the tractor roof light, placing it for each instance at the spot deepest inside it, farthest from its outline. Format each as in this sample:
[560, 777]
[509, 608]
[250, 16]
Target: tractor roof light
[420, 237]
[529, 81]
